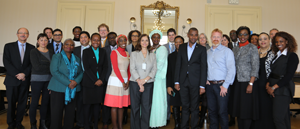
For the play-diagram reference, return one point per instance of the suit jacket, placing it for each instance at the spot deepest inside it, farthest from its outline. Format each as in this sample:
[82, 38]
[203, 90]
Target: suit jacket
[175, 101]
[106, 43]
[50, 46]
[109, 68]
[13, 65]
[77, 51]
[168, 47]
[284, 68]
[60, 74]
[93, 94]
[196, 66]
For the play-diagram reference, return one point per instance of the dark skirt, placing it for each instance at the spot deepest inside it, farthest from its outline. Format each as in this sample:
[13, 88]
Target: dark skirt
[244, 106]
[175, 101]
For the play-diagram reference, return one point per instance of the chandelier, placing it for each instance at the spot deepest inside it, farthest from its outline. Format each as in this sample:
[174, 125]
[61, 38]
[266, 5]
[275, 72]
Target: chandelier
[160, 11]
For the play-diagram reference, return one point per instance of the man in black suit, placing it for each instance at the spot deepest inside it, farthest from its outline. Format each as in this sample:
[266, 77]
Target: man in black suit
[48, 31]
[84, 38]
[111, 38]
[16, 60]
[56, 46]
[190, 77]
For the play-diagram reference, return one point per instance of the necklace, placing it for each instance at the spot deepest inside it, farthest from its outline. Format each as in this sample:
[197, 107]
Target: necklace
[260, 52]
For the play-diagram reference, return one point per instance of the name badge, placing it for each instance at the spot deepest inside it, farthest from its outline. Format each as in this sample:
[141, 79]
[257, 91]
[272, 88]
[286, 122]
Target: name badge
[144, 66]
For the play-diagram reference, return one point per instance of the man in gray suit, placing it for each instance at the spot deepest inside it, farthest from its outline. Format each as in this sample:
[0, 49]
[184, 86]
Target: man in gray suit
[171, 48]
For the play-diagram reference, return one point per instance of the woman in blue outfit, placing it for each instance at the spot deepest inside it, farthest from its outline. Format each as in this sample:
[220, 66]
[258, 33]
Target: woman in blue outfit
[67, 74]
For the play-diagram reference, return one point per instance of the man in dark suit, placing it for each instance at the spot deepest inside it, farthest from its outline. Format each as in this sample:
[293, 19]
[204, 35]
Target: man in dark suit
[56, 46]
[171, 48]
[103, 30]
[84, 38]
[111, 38]
[48, 31]
[16, 60]
[190, 77]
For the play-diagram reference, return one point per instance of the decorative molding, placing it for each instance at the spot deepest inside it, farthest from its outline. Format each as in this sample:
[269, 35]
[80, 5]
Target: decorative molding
[233, 1]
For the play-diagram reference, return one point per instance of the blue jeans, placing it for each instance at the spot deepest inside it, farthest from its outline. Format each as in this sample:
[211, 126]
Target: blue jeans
[217, 106]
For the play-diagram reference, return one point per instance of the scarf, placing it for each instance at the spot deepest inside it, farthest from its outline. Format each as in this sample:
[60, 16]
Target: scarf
[244, 44]
[72, 68]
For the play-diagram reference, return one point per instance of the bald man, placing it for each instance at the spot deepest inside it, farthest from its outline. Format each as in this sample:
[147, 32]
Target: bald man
[16, 60]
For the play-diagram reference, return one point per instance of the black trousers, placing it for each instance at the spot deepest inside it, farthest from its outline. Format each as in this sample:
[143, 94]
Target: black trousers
[190, 103]
[217, 106]
[36, 88]
[140, 101]
[16, 94]
[281, 112]
[91, 110]
[80, 110]
[106, 114]
[58, 107]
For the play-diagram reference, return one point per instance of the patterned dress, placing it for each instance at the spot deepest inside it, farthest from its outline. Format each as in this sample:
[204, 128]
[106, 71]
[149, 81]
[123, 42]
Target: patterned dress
[115, 95]
[158, 117]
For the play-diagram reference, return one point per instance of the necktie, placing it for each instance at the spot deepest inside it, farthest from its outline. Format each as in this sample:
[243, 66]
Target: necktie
[56, 49]
[22, 53]
[173, 47]
[114, 48]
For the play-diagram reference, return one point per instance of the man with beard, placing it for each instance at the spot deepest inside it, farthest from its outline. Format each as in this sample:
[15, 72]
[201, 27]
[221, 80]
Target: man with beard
[220, 74]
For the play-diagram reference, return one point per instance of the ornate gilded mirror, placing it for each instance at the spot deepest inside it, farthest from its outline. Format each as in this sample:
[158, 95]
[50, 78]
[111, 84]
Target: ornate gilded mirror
[160, 16]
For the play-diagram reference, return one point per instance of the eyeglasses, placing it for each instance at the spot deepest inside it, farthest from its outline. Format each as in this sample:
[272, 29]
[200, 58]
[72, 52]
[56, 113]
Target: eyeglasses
[243, 34]
[57, 35]
[22, 33]
[134, 36]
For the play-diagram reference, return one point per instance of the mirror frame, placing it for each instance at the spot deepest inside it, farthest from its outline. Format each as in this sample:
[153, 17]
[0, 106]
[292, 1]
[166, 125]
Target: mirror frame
[159, 5]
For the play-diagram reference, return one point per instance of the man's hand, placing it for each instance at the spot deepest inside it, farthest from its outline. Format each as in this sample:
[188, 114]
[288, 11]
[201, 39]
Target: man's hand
[223, 91]
[202, 91]
[177, 87]
[207, 82]
[20, 76]
[170, 91]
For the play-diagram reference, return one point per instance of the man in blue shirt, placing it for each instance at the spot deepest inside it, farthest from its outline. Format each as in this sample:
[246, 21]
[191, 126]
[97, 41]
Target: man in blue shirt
[56, 46]
[220, 74]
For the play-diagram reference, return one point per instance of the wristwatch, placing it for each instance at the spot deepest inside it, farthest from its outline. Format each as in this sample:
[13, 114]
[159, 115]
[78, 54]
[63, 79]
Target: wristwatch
[273, 88]
[146, 80]
[250, 83]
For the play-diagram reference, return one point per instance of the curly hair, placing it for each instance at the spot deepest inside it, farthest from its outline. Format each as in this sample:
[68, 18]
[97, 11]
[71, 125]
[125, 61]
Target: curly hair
[291, 42]
[130, 34]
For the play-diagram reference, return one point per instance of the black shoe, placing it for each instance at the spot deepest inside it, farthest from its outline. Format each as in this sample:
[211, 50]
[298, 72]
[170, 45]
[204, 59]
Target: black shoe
[43, 124]
[168, 122]
[125, 120]
[11, 127]
[33, 126]
[78, 127]
[232, 121]
[20, 126]
[176, 115]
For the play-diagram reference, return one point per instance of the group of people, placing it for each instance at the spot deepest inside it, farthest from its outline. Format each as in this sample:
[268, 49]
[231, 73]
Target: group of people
[241, 75]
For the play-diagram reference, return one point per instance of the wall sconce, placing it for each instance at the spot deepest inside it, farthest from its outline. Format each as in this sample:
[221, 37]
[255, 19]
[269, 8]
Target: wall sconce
[188, 21]
[132, 23]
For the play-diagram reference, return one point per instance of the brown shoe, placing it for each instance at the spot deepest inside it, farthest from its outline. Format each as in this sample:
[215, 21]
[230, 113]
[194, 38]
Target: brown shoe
[105, 126]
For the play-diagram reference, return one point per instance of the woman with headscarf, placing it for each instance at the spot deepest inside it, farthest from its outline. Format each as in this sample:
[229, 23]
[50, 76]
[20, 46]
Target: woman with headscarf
[117, 92]
[158, 115]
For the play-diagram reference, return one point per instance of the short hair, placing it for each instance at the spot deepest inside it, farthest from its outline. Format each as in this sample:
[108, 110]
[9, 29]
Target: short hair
[57, 30]
[243, 28]
[139, 46]
[216, 30]
[274, 29]
[77, 27]
[193, 29]
[130, 34]
[178, 36]
[22, 28]
[254, 34]
[171, 30]
[44, 31]
[96, 34]
[103, 25]
[112, 33]
[265, 34]
[204, 36]
[40, 36]
[230, 46]
[85, 32]
[291, 45]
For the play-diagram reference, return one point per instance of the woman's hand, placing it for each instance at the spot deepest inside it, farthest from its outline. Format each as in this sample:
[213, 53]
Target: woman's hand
[126, 86]
[72, 84]
[139, 81]
[142, 88]
[249, 89]
[98, 83]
